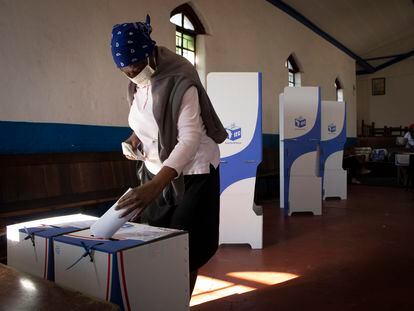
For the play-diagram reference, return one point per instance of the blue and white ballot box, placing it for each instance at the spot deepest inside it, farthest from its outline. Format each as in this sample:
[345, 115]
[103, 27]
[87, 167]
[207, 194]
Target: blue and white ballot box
[332, 149]
[139, 268]
[30, 244]
[300, 134]
[237, 99]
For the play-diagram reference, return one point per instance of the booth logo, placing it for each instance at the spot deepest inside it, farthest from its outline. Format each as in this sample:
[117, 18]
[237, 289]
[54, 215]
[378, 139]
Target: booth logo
[57, 249]
[300, 122]
[332, 128]
[233, 132]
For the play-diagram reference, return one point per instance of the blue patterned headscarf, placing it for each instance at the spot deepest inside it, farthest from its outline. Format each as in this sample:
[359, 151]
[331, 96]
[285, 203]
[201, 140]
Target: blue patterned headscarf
[131, 42]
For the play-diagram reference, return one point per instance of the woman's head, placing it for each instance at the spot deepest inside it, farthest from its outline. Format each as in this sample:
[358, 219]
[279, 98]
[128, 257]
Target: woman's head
[134, 69]
[131, 45]
[409, 129]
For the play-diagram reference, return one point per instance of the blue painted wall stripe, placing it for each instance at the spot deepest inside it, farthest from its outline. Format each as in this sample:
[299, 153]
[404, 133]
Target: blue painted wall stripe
[272, 141]
[30, 137]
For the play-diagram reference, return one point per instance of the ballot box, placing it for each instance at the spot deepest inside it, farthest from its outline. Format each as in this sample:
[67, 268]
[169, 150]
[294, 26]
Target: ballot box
[140, 268]
[30, 244]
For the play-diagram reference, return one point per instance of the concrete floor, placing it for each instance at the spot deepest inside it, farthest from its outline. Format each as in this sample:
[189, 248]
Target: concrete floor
[358, 256]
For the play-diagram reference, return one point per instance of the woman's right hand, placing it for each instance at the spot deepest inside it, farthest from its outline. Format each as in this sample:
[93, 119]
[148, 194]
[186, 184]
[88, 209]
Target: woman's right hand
[133, 140]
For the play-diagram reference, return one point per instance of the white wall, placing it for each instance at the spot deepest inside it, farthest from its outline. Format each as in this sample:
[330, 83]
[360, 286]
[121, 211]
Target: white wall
[55, 59]
[396, 107]
[255, 36]
[56, 64]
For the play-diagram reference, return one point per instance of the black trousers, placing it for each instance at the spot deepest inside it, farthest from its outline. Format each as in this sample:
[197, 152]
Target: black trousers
[198, 213]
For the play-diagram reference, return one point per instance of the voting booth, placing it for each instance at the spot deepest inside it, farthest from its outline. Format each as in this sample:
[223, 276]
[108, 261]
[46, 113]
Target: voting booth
[300, 135]
[139, 268]
[332, 149]
[30, 244]
[237, 99]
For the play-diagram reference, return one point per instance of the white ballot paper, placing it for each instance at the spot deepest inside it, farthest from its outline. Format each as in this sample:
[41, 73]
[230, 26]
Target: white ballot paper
[106, 226]
[129, 151]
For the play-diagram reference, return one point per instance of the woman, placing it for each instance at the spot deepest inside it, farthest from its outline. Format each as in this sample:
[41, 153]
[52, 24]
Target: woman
[177, 130]
[354, 164]
[409, 136]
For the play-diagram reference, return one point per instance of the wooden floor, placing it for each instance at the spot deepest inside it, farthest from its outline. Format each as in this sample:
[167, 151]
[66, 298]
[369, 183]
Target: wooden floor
[358, 256]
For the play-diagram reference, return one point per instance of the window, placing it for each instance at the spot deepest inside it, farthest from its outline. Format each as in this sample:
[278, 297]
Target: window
[293, 71]
[339, 91]
[188, 26]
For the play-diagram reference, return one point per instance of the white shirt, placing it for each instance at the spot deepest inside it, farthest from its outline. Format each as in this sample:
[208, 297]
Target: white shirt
[194, 152]
[410, 139]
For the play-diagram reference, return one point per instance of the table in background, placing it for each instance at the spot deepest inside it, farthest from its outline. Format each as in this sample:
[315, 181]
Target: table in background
[402, 161]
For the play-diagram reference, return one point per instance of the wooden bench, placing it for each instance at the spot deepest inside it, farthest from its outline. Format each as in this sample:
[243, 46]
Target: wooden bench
[370, 130]
[42, 183]
[39, 182]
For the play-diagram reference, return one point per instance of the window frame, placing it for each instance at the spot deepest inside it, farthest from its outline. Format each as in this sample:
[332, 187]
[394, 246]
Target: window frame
[293, 69]
[291, 78]
[187, 11]
[183, 31]
[338, 88]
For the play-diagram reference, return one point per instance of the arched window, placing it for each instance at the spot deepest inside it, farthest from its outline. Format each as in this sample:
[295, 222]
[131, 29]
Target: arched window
[293, 71]
[339, 91]
[188, 26]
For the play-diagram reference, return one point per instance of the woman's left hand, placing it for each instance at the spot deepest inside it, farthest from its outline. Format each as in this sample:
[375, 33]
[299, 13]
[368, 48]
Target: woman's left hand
[138, 199]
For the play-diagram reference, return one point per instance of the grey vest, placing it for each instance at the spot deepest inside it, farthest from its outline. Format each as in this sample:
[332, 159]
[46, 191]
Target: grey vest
[172, 78]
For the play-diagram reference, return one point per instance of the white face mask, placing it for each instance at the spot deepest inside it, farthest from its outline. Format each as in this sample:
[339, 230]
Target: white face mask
[143, 78]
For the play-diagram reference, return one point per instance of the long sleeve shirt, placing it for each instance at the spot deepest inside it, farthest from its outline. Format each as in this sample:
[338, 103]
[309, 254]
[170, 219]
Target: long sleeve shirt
[410, 140]
[193, 153]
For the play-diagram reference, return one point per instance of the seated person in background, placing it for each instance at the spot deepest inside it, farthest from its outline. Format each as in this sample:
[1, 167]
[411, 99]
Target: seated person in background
[354, 164]
[409, 135]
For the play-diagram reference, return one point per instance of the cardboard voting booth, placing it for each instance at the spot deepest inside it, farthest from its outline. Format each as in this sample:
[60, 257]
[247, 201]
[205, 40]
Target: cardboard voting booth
[30, 244]
[139, 268]
[300, 135]
[332, 149]
[237, 99]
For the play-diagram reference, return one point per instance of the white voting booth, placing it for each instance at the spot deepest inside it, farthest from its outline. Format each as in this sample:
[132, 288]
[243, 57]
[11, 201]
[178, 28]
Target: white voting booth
[300, 134]
[139, 268]
[30, 244]
[331, 151]
[237, 99]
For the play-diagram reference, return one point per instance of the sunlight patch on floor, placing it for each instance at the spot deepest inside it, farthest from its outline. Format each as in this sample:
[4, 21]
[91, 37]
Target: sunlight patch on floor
[208, 289]
[266, 278]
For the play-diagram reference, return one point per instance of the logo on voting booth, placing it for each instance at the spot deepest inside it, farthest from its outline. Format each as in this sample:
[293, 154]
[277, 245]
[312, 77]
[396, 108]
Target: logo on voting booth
[300, 122]
[332, 128]
[233, 132]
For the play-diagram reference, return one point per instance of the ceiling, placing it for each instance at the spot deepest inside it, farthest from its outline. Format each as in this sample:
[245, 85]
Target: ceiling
[366, 28]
